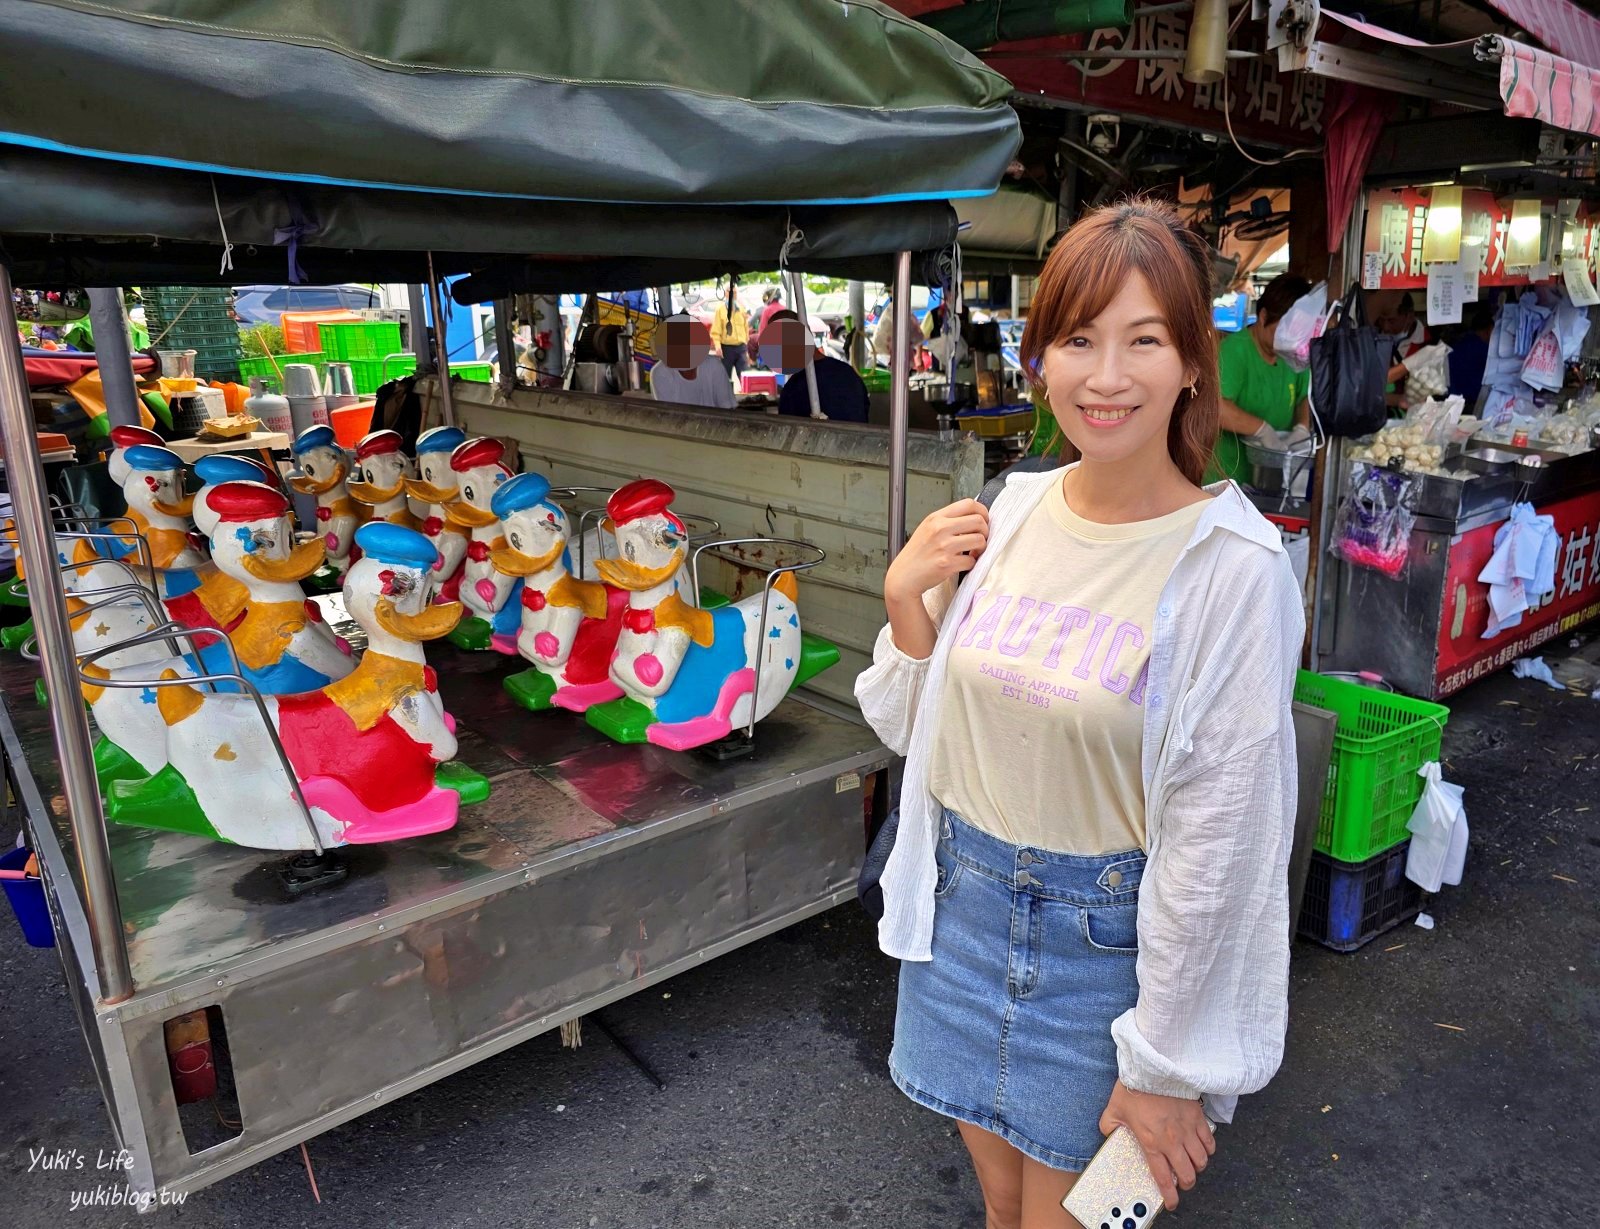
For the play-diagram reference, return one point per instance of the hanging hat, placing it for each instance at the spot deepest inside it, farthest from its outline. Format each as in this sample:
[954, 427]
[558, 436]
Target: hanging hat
[646, 497]
[229, 467]
[395, 545]
[151, 458]
[319, 436]
[127, 435]
[440, 439]
[485, 450]
[378, 443]
[521, 493]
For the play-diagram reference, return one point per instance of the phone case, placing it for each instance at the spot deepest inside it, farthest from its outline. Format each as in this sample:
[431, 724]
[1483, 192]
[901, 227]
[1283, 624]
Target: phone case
[1116, 1189]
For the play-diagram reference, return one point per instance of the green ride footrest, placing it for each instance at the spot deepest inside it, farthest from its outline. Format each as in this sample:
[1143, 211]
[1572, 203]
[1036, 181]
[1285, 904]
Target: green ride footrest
[623, 721]
[471, 634]
[530, 688]
[162, 801]
[471, 784]
[816, 655]
[113, 764]
[15, 636]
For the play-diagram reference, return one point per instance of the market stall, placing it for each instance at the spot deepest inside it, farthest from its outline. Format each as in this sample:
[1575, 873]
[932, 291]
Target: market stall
[1467, 530]
[592, 869]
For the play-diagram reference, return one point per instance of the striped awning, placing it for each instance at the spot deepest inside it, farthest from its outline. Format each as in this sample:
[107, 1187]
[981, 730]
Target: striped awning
[1541, 85]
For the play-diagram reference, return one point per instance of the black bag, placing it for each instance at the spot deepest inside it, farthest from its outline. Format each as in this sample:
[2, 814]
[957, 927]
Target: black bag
[868, 889]
[1349, 369]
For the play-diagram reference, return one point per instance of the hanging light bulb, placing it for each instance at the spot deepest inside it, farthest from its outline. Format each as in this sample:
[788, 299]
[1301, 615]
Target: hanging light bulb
[1442, 238]
[1522, 244]
[1207, 56]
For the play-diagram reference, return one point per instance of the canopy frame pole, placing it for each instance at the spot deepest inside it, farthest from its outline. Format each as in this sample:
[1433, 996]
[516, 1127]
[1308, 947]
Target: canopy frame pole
[418, 310]
[858, 325]
[899, 403]
[797, 295]
[506, 343]
[111, 355]
[37, 544]
[441, 348]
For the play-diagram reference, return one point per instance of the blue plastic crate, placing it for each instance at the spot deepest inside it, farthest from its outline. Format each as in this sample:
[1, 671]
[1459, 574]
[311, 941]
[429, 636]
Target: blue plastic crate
[1348, 904]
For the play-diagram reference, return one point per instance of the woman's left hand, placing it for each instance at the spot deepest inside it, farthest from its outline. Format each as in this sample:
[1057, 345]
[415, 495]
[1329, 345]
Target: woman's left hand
[1173, 1131]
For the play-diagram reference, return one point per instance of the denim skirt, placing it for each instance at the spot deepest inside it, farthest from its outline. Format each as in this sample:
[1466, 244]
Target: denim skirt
[1008, 1027]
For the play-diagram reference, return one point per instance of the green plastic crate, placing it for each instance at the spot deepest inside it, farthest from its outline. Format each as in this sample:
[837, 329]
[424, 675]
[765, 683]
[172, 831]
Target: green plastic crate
[371, 374]
[263, 369]
[477, 373]
[1373, 786]
[344, 342]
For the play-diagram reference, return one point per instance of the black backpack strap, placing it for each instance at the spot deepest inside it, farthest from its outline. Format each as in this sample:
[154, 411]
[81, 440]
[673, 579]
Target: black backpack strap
[1028, 465]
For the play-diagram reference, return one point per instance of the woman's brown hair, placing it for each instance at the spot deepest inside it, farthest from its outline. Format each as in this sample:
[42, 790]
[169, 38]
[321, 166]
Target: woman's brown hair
[1092, 262]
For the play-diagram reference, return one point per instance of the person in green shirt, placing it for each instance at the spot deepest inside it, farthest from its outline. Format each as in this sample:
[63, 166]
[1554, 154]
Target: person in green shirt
[1257, 387]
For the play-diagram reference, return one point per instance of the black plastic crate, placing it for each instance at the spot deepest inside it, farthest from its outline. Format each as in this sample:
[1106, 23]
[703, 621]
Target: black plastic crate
[1348, 904]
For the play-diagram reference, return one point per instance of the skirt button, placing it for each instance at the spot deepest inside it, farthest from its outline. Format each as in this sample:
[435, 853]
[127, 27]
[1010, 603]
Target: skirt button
[1114, 879]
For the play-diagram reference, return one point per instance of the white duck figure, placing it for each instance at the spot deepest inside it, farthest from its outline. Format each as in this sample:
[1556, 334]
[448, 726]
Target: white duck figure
[324, 468]
[489, 595]
[692, 669]
[569, 626]
[380, 480]
[108, 545]
[281, 643]
[366, 749]
[433, 491]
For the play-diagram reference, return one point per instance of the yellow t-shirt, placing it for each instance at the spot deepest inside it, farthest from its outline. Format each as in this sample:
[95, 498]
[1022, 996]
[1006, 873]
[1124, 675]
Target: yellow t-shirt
[726, 333]
[1041, 720]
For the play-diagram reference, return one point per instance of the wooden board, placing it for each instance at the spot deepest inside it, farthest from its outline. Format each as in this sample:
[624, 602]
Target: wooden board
[194, 449]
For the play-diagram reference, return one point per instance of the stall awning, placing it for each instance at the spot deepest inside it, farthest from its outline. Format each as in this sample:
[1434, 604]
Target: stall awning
[1560, 25]
[801, 102]
[1544, 86]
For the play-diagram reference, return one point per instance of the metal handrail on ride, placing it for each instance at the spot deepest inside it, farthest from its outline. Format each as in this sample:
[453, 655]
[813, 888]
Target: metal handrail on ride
[766, 590]
[118, 595]
[236, 677]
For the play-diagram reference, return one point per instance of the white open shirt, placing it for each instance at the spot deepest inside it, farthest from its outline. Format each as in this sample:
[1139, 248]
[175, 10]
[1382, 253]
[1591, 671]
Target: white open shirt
[1218, 762]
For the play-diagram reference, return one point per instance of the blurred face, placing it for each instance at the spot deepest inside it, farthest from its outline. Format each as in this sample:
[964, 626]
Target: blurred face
[687, 343]
[1114, 382]
[785, 346]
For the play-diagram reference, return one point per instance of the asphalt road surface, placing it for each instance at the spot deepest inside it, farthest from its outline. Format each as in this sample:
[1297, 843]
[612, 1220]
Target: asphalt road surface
[778, 1110]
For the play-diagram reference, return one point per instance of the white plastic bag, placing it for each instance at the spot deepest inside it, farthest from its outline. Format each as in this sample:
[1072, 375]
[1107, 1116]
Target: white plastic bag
[1438, 829]
[1300, 326]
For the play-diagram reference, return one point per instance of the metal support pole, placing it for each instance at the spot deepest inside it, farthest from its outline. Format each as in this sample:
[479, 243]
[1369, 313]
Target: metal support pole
[858, 324]
[899, 402]
[110, 326]
[664, 301]
[506, 343]
[419, 326]
[441, 348]
[797, 296]
[37, 546]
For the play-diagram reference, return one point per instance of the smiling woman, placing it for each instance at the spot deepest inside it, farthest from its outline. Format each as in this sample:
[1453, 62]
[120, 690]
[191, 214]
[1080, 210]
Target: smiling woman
[1121, 322]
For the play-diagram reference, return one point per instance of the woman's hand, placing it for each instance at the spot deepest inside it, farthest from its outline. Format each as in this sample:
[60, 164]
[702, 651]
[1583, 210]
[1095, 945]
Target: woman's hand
[1173, 1131]
[948, 541]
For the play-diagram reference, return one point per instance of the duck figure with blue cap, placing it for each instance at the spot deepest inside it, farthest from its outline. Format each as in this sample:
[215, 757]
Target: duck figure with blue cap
[324, 467]
[489, 595]
[689, 674]
[569, 626]
[433, 490]
[382, 468]
[372, 751]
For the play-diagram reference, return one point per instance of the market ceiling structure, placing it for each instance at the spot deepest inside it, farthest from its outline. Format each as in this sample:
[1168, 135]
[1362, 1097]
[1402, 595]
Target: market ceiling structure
[346, 141]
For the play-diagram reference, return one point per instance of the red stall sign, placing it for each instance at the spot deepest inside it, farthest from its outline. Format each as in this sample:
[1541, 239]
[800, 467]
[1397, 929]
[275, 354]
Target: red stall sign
[1464, 655]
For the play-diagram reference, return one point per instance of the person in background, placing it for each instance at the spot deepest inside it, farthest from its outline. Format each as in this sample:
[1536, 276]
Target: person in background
[1409, 335]
[772, 301]
[687, 373]
[1259, 390]
[841, 393]
[1469, 355]
[730, 329]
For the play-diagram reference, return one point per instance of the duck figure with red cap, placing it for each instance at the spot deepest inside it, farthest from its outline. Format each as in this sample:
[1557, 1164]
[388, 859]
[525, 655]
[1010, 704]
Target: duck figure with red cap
[382, 468]
[280, 642]
[324, 469]
[432, 492]
[569, 626]
[371, 751]
[490, 595]
[692, 670]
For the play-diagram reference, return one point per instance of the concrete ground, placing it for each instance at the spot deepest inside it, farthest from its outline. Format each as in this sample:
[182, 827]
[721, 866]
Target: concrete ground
[778, 1110]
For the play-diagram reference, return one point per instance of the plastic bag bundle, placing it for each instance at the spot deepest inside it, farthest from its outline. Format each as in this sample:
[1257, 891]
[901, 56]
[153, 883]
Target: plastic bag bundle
[1427, 373]
[1373, 525]
[1438, 827]
[1300, 325]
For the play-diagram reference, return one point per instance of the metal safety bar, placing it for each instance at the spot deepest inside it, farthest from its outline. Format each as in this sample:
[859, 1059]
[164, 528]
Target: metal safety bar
[237, 676]
[766, 590]
[38, 551]
[119, 595]
[900, 403]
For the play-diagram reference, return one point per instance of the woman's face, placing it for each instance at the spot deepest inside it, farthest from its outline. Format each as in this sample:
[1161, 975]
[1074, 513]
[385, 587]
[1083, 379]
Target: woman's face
[1112, 385]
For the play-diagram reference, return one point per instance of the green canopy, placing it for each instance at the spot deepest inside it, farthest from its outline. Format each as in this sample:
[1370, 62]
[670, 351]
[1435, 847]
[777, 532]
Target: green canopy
[624, 101]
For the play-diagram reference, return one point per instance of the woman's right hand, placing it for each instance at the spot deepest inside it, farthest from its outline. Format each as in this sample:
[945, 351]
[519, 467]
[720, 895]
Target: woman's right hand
[947, 542]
